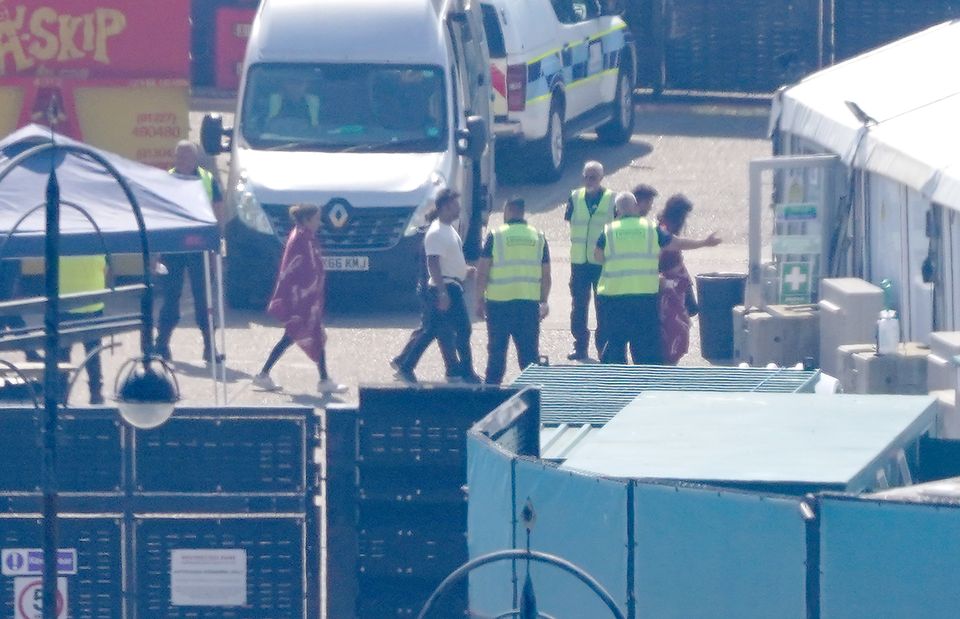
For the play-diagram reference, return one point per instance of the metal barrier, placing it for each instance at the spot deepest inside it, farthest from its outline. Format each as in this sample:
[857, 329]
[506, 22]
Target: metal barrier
[396, 502]
[141, 512]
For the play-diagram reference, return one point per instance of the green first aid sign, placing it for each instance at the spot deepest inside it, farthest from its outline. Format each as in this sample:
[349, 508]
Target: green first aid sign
[795, 283]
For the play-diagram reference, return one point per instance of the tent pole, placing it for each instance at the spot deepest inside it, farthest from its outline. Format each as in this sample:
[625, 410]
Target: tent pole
[218, 263]
[211, 329]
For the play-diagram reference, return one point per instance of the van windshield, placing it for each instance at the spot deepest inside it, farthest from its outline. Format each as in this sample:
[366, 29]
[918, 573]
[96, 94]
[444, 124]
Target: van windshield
[345, 107]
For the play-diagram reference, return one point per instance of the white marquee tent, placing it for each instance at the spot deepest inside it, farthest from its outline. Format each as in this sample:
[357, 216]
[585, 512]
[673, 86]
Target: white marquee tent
[893, 116]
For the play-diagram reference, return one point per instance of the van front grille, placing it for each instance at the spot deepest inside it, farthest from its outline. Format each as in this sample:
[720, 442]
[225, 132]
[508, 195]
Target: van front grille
[373, 228]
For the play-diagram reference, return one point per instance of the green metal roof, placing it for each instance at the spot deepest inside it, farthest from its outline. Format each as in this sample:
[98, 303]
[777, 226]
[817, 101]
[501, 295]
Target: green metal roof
[594, 393]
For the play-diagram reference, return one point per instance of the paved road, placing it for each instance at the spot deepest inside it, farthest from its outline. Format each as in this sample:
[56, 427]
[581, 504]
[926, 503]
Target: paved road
[701, 151]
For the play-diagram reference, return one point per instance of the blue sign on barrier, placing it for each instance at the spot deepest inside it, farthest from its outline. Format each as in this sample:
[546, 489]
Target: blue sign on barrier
[29, 561]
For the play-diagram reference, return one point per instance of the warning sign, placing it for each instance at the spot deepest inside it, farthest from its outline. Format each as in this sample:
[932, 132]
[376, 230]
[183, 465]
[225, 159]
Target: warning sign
[28, 597]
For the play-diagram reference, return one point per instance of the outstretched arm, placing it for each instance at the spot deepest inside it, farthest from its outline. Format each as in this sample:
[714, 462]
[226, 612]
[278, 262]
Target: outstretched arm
[679, 244]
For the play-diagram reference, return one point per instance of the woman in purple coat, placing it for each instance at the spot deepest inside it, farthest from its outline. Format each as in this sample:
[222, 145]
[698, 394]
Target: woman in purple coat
[677, 302]
[298, 299]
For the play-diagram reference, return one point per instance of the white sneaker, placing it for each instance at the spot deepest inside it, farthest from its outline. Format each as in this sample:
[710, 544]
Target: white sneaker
[330, 386]
[263, 381]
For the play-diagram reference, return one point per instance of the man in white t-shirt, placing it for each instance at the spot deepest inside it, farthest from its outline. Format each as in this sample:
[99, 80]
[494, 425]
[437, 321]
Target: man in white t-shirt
[444, 314]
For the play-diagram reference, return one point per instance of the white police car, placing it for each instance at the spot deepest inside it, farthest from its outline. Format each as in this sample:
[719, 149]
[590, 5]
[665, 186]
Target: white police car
[558, 67]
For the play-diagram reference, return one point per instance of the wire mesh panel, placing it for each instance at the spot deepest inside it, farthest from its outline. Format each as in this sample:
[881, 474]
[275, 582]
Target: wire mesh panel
[95, 591]
[864, 24]
[747, 46]
[564, 400]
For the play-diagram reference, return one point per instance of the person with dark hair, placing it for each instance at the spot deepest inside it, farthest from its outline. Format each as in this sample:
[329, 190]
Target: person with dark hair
[513, 283]
[444, 315]
[298, 300]
[629, 249]
[645, 195]
[589, 209]
[677, 300]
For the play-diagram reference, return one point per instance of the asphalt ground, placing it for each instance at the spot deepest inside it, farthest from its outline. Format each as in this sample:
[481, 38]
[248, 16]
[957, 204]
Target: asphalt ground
[701, 151]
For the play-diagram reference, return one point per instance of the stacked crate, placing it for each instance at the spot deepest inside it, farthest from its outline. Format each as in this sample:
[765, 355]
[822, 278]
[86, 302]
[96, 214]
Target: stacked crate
[410, 498]
[235, 484]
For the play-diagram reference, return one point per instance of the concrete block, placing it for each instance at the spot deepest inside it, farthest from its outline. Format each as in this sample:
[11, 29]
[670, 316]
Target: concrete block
[783, 334]
[846, 372]
[941, 373]
[945, 343]
[904, 372]
[849, 308]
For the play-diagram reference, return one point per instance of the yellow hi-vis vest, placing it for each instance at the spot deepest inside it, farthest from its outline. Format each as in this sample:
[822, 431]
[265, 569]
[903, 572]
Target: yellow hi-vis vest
[83, 274]
[205, 177]
[313, 107]
[585, 228]
[517, 265]
[630, 258]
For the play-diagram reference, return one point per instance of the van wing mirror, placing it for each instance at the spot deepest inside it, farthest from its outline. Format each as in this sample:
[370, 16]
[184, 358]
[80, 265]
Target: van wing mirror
[472, 141]
[212, 135]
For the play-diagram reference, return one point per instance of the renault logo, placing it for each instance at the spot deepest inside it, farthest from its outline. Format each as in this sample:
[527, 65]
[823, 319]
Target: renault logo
[337, 214]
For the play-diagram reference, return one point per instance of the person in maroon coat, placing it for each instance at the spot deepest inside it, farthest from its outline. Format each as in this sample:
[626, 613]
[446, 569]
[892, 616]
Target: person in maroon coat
[298, 299]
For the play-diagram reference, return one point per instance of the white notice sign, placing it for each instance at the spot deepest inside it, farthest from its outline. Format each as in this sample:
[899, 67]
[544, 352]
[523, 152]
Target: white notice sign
[208, 577]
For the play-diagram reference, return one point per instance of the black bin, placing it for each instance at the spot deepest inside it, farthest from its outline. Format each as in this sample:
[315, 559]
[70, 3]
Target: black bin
[717, 294]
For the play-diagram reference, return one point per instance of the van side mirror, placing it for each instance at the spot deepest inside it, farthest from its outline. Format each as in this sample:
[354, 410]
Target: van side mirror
[472, 141]
[212, 135]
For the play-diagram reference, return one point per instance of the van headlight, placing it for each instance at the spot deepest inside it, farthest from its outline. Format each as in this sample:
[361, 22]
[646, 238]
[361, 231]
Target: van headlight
[419, 218]
[248, 209]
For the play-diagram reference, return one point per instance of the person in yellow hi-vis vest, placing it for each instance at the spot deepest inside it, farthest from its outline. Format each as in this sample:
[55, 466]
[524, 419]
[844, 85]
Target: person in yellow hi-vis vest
[589, 209]
[629, 250]
[513, 283]
[293, 102]
[187, 164]
[85, 274]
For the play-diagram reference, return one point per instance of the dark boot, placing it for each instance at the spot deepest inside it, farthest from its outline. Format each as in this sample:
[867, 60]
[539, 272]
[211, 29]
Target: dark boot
[162, 346]
[206, 351]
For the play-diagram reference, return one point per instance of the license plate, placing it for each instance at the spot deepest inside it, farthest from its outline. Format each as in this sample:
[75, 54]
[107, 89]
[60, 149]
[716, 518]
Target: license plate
[346, 263]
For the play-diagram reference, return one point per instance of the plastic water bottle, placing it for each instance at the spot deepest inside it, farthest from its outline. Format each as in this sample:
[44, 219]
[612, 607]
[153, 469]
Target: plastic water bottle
[889, 296]
[888, 332]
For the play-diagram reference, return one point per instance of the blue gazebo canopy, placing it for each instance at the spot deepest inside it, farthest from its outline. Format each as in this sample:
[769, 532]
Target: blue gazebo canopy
[177, 213]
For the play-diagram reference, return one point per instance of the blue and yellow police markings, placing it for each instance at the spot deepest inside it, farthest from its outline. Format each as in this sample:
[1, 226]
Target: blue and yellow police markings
[576, 64]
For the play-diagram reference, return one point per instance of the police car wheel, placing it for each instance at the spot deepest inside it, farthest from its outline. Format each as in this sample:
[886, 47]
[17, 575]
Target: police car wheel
[550, 152]
[620, 127]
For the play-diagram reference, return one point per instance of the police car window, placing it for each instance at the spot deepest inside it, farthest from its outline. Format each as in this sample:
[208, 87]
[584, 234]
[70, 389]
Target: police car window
[491, 23]
[565, 11]
[586, 9]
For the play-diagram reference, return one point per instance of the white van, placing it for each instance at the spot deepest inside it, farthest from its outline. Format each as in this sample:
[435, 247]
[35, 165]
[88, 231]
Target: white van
[559, 67]
[366, 108]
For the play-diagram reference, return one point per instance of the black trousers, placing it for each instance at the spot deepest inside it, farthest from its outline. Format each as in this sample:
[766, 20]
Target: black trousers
[519, 320]
[281, 347]
[179, 265]
[632, 320]
[93, 367]
[583, 283]
[451, 329]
